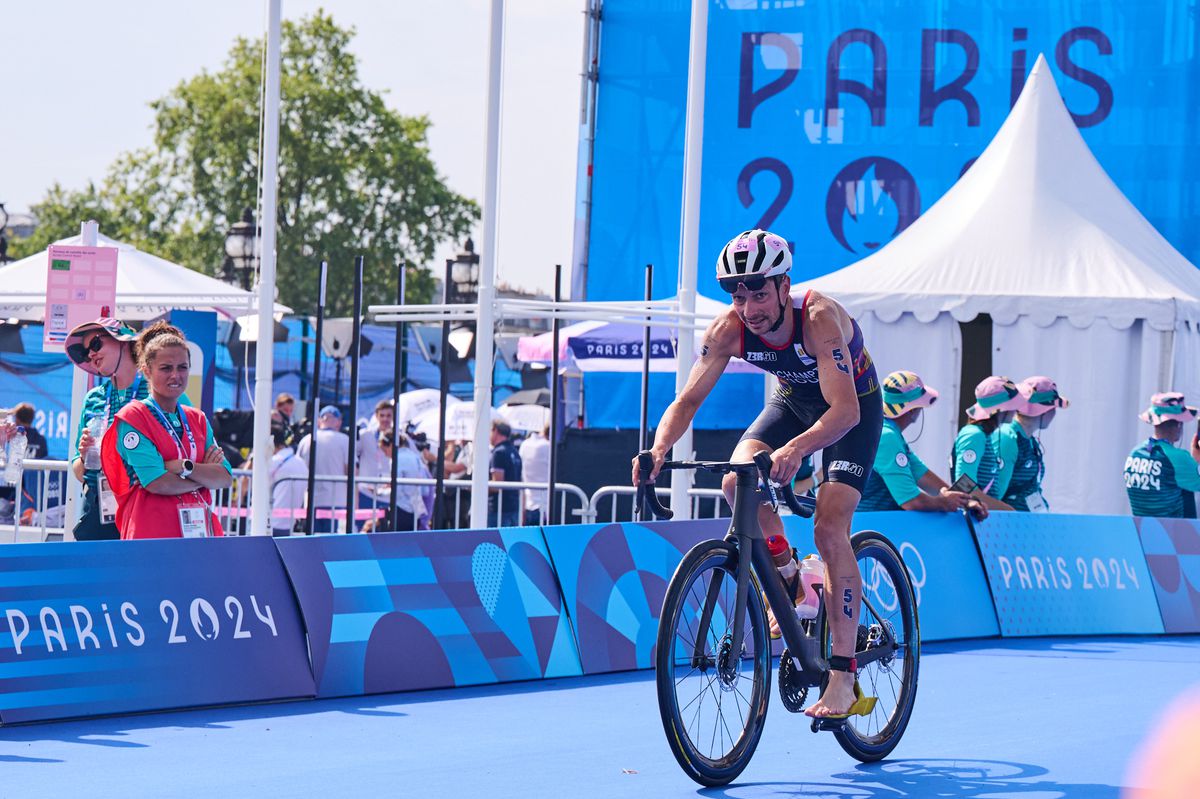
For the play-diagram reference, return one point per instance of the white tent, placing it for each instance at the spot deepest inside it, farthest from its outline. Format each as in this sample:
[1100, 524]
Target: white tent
[147, 286]
[1078, 284]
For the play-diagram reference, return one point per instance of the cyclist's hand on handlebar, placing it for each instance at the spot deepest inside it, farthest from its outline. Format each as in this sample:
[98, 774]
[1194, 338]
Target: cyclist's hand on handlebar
[785, 462]
[659, 457]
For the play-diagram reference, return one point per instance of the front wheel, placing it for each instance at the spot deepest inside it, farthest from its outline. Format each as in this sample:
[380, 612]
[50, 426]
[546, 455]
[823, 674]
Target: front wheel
[712, 699]
[888, 618]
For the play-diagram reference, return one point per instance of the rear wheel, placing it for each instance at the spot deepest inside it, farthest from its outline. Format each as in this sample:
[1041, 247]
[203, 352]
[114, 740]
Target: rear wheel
[888, 619]
[712, 699]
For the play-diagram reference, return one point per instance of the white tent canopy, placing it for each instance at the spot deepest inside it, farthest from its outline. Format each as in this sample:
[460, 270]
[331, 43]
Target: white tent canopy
[147, 286]
[1036, 235]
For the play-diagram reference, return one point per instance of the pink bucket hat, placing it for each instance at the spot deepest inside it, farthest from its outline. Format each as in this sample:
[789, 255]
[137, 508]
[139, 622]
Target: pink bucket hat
[994, 395]
[903, 391]
[1041, 395]
[74, 342]
[1168, 407]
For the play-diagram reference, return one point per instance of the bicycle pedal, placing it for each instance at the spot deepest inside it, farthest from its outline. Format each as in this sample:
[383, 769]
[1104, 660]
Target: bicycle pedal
[827, 725]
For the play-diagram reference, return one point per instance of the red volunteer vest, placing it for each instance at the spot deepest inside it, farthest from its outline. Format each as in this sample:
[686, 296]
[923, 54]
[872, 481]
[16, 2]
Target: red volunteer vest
[140, 513]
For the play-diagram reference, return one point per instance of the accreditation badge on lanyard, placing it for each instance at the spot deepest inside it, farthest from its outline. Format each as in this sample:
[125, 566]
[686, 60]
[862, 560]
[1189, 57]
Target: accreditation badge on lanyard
[193, 512]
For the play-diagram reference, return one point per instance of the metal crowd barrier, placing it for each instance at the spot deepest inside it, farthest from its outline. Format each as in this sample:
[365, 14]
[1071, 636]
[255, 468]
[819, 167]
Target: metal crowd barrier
[707, 503]
[38, 511]
[38, 507]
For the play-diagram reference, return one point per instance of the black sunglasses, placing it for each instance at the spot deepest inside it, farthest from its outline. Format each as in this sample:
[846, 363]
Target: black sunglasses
[730, 284]
[80, 352]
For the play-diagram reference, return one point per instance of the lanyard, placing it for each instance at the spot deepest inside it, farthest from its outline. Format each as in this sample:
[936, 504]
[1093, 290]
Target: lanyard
[171, 429]
[130, 393]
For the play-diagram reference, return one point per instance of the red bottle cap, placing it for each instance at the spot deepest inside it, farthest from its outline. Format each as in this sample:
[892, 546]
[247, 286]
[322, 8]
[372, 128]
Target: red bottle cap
[777, 545]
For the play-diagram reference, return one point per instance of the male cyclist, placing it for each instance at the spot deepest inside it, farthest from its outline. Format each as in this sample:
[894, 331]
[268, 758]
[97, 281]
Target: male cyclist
[828, 399]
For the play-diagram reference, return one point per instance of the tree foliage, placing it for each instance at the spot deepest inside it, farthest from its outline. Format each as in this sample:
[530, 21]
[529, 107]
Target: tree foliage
[355, 177]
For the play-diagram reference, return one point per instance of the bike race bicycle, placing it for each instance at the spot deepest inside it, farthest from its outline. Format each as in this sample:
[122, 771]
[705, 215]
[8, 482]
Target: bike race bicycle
[713, 653]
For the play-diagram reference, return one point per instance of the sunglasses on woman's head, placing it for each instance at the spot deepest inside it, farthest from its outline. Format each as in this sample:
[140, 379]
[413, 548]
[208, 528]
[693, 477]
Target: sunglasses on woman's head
[80, 352]
[730, 284]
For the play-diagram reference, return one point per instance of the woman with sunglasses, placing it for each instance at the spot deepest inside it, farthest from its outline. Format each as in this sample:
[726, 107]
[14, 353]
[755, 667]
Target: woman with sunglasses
[105, 348]
[828, 399]
[161, 458]
[1022, 463]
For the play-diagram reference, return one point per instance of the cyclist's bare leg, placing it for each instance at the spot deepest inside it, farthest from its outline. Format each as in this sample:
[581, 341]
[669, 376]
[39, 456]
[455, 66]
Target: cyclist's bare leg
[768, 520]
[843, 589]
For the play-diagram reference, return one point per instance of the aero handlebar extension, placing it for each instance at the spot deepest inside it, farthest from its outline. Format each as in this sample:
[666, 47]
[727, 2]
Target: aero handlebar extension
[649, 504]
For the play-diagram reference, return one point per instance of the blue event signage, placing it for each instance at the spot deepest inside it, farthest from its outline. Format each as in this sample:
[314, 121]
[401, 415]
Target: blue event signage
[121, 626]
[1055, 574]
[404, 611]
[1172, 548]
[614, 577]
[838, 124]
[943, 564]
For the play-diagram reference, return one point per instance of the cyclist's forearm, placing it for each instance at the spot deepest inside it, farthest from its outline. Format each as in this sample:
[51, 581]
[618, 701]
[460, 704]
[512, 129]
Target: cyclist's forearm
[823, 433]
[674, 422]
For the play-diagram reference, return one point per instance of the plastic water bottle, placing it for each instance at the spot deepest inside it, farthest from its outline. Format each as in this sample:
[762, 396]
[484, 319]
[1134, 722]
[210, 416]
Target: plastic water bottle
[17, 444]
[812, 574]
[95, 426]
[781, 553]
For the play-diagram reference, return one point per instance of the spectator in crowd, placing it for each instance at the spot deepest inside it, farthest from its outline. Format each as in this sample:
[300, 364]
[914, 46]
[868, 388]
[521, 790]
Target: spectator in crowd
[286, 405]
[106, 348]
[1021, 463]
[535, 468]
[458, 464]
[333, 459]
[899, 479]
[504, 505]
[161, 459]
[289, 480]
[372, 463]
[1160, 476]
[996, 401]
[35, 449]
[410, 511]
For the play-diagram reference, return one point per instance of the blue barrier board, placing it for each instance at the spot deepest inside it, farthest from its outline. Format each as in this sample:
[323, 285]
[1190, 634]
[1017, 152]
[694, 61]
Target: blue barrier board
[1058, 574]
[613, 578]
[121, 626]
[1172, 548]
[403, 611]
[948, 580]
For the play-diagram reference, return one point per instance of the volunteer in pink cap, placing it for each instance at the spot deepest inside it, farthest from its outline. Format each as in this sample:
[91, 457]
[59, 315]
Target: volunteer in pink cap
[1022, 464]
[899, 479]
[105, 348]
[996, 402]
[1161, 478]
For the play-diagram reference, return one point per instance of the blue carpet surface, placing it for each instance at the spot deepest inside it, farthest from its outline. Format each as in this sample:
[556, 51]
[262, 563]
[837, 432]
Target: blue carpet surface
[1028, 719]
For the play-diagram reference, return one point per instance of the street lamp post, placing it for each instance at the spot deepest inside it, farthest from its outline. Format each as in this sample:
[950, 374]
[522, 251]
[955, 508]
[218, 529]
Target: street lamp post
[241, 258]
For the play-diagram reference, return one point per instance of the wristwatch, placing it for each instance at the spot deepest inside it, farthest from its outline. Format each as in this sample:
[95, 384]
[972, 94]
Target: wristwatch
[188, 466]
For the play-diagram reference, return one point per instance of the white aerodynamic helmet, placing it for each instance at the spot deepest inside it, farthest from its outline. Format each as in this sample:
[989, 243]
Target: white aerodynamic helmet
[755, 253]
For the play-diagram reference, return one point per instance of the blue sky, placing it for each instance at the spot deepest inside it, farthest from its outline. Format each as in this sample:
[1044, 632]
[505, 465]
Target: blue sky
[80, 76]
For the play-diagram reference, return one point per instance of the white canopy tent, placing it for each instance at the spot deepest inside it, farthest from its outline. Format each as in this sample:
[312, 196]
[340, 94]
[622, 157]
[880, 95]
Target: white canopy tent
[1079, 286]
[146, 286]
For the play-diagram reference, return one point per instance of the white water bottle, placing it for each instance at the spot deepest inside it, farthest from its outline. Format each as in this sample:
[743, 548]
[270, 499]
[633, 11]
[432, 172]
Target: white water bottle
[17, 444]
[812, 574]
[96, 427]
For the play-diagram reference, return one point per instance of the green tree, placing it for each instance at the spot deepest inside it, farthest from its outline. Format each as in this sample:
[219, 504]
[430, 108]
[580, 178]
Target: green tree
[355, 177]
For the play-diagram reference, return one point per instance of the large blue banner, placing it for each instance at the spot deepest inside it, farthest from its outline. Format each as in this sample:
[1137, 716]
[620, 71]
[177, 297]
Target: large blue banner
[403, 611]
[1058, 574]
[838, 124]
[123, 626]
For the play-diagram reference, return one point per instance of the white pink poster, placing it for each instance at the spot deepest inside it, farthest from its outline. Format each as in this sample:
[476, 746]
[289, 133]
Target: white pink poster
[81, 285]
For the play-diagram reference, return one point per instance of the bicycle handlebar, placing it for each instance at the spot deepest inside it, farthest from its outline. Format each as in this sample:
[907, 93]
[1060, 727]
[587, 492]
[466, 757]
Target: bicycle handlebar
[649, 504]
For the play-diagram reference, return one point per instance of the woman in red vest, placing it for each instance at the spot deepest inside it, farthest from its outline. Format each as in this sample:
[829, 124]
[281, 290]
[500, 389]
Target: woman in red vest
[160, 457]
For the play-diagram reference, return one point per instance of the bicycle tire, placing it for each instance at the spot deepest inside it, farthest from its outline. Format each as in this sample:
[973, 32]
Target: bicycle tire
[692, 740]
[886, 582]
